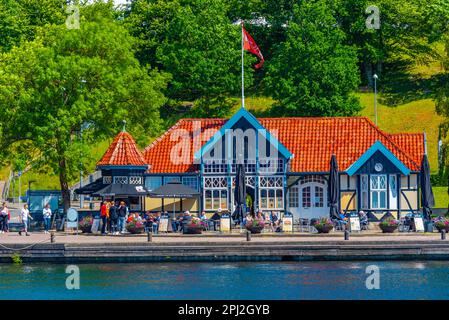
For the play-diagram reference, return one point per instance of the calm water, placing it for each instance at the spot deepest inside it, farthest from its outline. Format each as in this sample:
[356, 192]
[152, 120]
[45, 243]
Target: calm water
[265, 280]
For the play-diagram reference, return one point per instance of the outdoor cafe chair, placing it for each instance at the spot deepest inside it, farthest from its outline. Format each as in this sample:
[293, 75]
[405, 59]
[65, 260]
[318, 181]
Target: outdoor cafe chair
[404, 225]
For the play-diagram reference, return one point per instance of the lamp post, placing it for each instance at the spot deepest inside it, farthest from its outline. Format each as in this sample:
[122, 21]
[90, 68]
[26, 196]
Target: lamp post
[83, 82]
[375, 98]
[81, 170]
[20, 187]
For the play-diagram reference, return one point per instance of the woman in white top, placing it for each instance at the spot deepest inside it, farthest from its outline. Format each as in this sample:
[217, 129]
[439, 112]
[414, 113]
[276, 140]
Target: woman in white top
[4, 216]
[24, 215]
[47, 217]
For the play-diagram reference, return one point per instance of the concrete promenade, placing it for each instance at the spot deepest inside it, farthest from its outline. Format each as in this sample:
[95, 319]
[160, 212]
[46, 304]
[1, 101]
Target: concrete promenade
[235, 237]
[216, 247]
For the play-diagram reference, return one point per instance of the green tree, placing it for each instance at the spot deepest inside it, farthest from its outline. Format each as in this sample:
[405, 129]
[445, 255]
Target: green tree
[20, 19]
[407, 34]
[69, 79]
[313, 73]
[198, 44]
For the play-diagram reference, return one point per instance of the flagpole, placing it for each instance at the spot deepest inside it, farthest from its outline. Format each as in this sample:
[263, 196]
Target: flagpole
[243, 74]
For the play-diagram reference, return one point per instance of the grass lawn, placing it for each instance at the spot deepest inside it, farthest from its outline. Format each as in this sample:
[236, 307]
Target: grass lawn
[416, 116]
[441, 197]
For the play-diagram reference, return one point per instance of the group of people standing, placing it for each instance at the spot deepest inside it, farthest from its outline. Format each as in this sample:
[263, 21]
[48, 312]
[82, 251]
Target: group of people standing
[113, 217]
[25, 218]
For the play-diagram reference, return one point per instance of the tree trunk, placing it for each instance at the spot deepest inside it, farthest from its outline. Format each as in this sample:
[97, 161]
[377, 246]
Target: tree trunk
[64, 185]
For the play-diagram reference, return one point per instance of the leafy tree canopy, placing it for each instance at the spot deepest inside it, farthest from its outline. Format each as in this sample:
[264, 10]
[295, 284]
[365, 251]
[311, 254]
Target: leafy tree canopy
[71, 79]
[313, 73]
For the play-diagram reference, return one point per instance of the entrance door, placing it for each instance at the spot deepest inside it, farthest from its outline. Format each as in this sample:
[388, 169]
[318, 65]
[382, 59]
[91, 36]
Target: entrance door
[313, 200]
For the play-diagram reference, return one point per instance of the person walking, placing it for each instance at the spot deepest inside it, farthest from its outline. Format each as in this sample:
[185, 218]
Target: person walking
[113, 217]
[4, 214]
[24, 215]
[122, 212]
[104, 217]
[47, 218]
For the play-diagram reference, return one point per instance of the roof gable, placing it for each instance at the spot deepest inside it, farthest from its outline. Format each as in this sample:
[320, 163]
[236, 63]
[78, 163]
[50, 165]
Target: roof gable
[377, 146]
[122, 151]
[243, 113]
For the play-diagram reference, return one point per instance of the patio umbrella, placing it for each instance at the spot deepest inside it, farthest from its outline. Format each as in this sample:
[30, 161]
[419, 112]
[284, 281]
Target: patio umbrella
[239, 193]
[334, 189]
[427, 198]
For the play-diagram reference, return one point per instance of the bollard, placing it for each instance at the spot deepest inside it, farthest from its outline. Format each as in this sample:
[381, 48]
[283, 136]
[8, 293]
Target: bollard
[248, 235]
[346, 235]
[149, 236]
[443, 234]
[52, 237]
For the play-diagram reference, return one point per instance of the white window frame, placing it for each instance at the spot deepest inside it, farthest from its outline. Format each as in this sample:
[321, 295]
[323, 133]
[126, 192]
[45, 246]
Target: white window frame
[121, 179]
[364, 191]
[271, 183]
[393, 191]
[135, 180]
[293, 197]
[378, 191]
[107, 179]
[215, 166]
[215, 184]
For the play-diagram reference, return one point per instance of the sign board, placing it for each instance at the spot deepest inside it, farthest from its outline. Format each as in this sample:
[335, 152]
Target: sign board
[354, 223]
[287, 224]
[225, 223]
[163, 224]
[419, 224]
[72, 218]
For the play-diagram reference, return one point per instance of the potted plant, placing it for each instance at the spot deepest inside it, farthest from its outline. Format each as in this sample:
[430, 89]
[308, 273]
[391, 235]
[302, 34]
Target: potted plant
[255, 226]
[323, 225]
[389, 225]
[135, 226]
[441, 224]
[85, 224]
[194, 226]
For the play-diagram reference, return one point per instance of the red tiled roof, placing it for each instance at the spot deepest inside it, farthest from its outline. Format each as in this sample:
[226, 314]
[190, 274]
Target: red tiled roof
[311, 140]
[411, 143]
[122, 151]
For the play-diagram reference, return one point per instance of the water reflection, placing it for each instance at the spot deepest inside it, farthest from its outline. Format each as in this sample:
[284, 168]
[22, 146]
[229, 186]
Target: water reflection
[243, 280]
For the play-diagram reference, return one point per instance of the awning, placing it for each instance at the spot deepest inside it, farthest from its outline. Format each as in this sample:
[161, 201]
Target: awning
[174, 189]
[91, 187]
[116, 189]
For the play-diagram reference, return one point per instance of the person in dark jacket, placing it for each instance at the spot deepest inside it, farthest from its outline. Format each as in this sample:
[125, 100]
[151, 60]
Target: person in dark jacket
[113, 217]
[122, 213]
